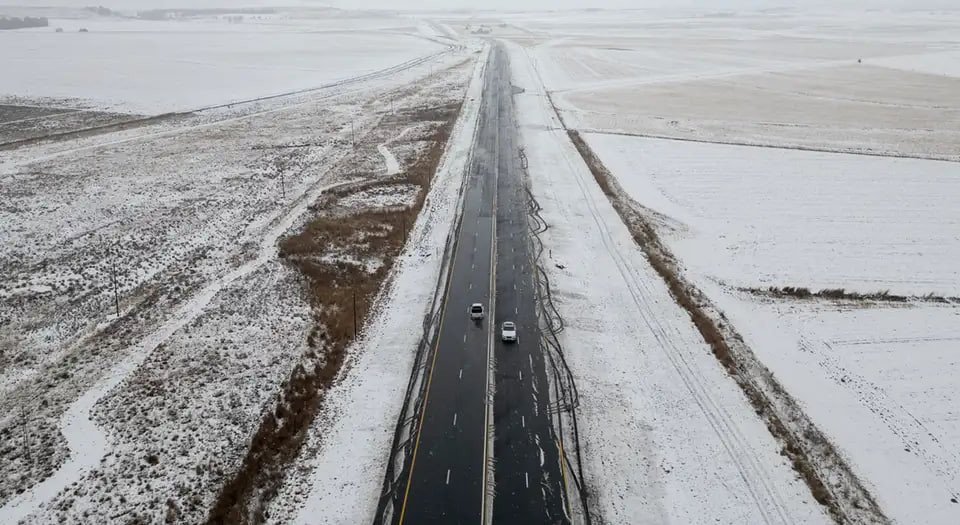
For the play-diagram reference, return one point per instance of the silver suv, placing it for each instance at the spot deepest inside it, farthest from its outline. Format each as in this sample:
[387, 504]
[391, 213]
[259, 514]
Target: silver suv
[476, 311]
[508, 332]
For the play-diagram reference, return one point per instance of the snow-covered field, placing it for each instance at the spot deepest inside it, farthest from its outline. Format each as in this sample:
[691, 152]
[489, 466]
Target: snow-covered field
[152, 67]
[134, 410]
[760, 217]
[145, 414]
[667, 436]
[880, 379]
[875, 82]
[881, 382]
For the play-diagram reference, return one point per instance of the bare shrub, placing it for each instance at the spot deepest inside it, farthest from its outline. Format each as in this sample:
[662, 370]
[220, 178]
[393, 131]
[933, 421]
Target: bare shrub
[840, 294]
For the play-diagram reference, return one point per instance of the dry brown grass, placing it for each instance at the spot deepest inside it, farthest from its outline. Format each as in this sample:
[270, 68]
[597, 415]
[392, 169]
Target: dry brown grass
[686, 296]
[333, 289]
[840, 294]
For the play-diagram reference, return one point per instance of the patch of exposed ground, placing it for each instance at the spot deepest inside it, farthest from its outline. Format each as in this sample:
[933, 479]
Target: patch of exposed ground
[23, 124]
[831, 480]
[14, 113]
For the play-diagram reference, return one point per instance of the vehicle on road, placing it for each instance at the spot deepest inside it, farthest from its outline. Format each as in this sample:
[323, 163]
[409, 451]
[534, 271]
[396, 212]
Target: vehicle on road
[476, 311]
[508, 332]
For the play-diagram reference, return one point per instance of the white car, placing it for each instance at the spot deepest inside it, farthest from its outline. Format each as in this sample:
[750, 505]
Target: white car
[476, 311]
[508, 332]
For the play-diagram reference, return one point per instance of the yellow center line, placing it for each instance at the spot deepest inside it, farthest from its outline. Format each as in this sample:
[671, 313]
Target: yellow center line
[433, 362]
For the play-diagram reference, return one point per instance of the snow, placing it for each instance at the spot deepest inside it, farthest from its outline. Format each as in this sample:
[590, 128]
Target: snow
[380, 196]
[393, 167]
[667, 436]
[190, 405]
[882, 381]
[88, 444]
[188, 214]
[878, 379]
[946, 63]
[360, 412]
[759, 217]
[871, 83]
[156, 67]
[170, 206]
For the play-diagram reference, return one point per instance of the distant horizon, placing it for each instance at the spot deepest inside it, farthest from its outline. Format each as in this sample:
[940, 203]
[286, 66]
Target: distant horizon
[503, 5]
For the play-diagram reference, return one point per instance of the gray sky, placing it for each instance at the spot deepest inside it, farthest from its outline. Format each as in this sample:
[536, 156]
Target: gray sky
[707, 5]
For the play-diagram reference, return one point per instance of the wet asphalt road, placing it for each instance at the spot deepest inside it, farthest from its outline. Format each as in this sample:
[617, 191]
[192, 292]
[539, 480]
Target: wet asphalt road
[448, 471]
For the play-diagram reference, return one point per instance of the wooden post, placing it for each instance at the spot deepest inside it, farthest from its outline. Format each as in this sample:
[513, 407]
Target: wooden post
[23, 416]
[116, 293]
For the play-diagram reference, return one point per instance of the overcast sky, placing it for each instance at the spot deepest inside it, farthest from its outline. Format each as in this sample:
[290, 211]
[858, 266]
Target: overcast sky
[501, 4]
[621, 4]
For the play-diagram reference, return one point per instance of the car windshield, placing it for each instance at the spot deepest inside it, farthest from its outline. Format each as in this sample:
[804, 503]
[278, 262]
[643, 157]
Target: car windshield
[477, 308]
[508, 326]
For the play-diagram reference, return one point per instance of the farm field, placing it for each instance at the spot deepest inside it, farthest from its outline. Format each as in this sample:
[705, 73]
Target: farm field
[801, 169]
[880, 82]
[147, 320]
[759, 217]
[151, 67]
[225, 241]
[666, 436]
[742, 220]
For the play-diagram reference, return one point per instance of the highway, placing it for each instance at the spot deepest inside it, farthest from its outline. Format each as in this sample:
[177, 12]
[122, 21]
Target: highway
[449, 469]
[529, 484]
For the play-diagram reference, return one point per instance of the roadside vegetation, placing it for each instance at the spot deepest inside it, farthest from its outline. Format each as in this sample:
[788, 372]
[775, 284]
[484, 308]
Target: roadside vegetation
[345, 254]
[840, 294]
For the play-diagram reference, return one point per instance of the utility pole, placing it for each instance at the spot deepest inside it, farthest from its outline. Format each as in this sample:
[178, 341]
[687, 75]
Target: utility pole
[403, 217]
[354, 314]
[353, 135]
[116, 292]
[280, 166]
[26, 434]
[23, 417]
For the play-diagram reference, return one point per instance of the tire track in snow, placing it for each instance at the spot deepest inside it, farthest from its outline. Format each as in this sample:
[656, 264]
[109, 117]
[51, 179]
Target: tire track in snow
[87, 443]
[914, 435]
[393, 167]
[725, 428]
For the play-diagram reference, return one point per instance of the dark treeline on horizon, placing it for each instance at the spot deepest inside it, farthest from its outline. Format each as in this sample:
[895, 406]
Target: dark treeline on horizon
[19, 23]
